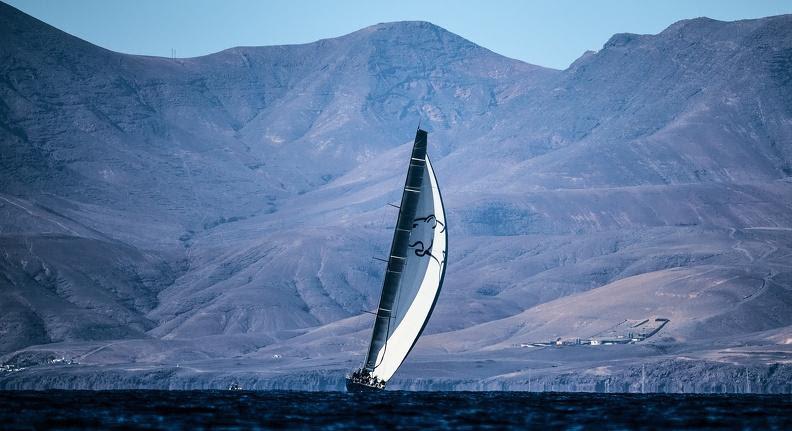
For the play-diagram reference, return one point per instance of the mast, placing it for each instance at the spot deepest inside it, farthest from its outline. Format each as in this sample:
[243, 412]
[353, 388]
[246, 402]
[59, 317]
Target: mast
[399, 248]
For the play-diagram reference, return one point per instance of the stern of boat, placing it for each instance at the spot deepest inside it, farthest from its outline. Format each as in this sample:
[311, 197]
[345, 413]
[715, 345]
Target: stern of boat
[362, 381]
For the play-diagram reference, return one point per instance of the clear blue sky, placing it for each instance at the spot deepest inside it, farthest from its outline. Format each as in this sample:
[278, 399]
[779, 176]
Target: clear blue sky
[548, 33]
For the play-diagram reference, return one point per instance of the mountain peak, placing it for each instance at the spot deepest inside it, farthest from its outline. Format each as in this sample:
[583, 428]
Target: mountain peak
[422, 25]
[403, 27]
[403, 31]
[705, 27]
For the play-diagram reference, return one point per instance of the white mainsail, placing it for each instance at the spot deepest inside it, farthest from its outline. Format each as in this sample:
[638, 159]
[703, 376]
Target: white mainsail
[421, 280]
[415, 268]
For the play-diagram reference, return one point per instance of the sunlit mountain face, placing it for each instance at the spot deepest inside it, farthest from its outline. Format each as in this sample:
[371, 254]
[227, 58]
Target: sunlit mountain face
[218, 216]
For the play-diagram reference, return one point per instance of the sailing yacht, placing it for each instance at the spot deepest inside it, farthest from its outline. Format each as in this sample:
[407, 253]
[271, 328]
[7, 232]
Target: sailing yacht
[414, 276]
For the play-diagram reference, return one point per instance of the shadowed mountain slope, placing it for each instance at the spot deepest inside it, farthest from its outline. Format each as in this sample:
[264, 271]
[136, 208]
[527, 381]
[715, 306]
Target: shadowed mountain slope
[168, 210]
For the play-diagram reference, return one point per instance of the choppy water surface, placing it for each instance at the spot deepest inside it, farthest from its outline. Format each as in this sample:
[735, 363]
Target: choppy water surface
[444, 410]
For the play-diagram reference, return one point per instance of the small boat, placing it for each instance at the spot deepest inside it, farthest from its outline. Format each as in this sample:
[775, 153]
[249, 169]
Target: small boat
[414, 276]
[234, 387]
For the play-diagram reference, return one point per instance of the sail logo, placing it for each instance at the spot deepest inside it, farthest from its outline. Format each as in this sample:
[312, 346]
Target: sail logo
[422, 249]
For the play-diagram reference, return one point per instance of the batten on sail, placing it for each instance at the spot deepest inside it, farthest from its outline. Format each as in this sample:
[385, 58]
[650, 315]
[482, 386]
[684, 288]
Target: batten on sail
[415, 271]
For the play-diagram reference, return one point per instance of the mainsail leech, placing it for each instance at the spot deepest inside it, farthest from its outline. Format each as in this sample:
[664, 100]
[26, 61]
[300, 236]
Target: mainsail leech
[415, 271]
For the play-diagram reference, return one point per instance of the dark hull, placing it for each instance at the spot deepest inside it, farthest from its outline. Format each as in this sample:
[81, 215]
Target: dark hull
[359, 387]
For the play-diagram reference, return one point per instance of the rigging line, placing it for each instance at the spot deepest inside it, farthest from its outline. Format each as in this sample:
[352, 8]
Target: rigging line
[385, 347]
[394, 315]
[390, 318]
[395, 312]
[398, 294]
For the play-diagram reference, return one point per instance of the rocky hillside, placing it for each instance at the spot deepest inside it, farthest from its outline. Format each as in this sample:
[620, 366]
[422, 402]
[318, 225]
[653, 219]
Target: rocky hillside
[171, 211]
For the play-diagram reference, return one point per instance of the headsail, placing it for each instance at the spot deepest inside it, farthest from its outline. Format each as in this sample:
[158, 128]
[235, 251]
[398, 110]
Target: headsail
[416, 267]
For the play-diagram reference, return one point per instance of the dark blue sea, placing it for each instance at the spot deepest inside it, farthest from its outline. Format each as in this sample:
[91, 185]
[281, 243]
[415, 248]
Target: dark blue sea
[197, 410]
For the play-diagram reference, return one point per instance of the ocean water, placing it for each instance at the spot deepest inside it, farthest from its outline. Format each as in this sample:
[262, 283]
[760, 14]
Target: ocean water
[411, 410]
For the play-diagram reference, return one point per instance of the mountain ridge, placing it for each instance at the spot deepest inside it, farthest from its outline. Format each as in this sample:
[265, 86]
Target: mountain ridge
[172, 211]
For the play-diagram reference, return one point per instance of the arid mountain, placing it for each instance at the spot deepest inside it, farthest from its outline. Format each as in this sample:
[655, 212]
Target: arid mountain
[221, 211]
